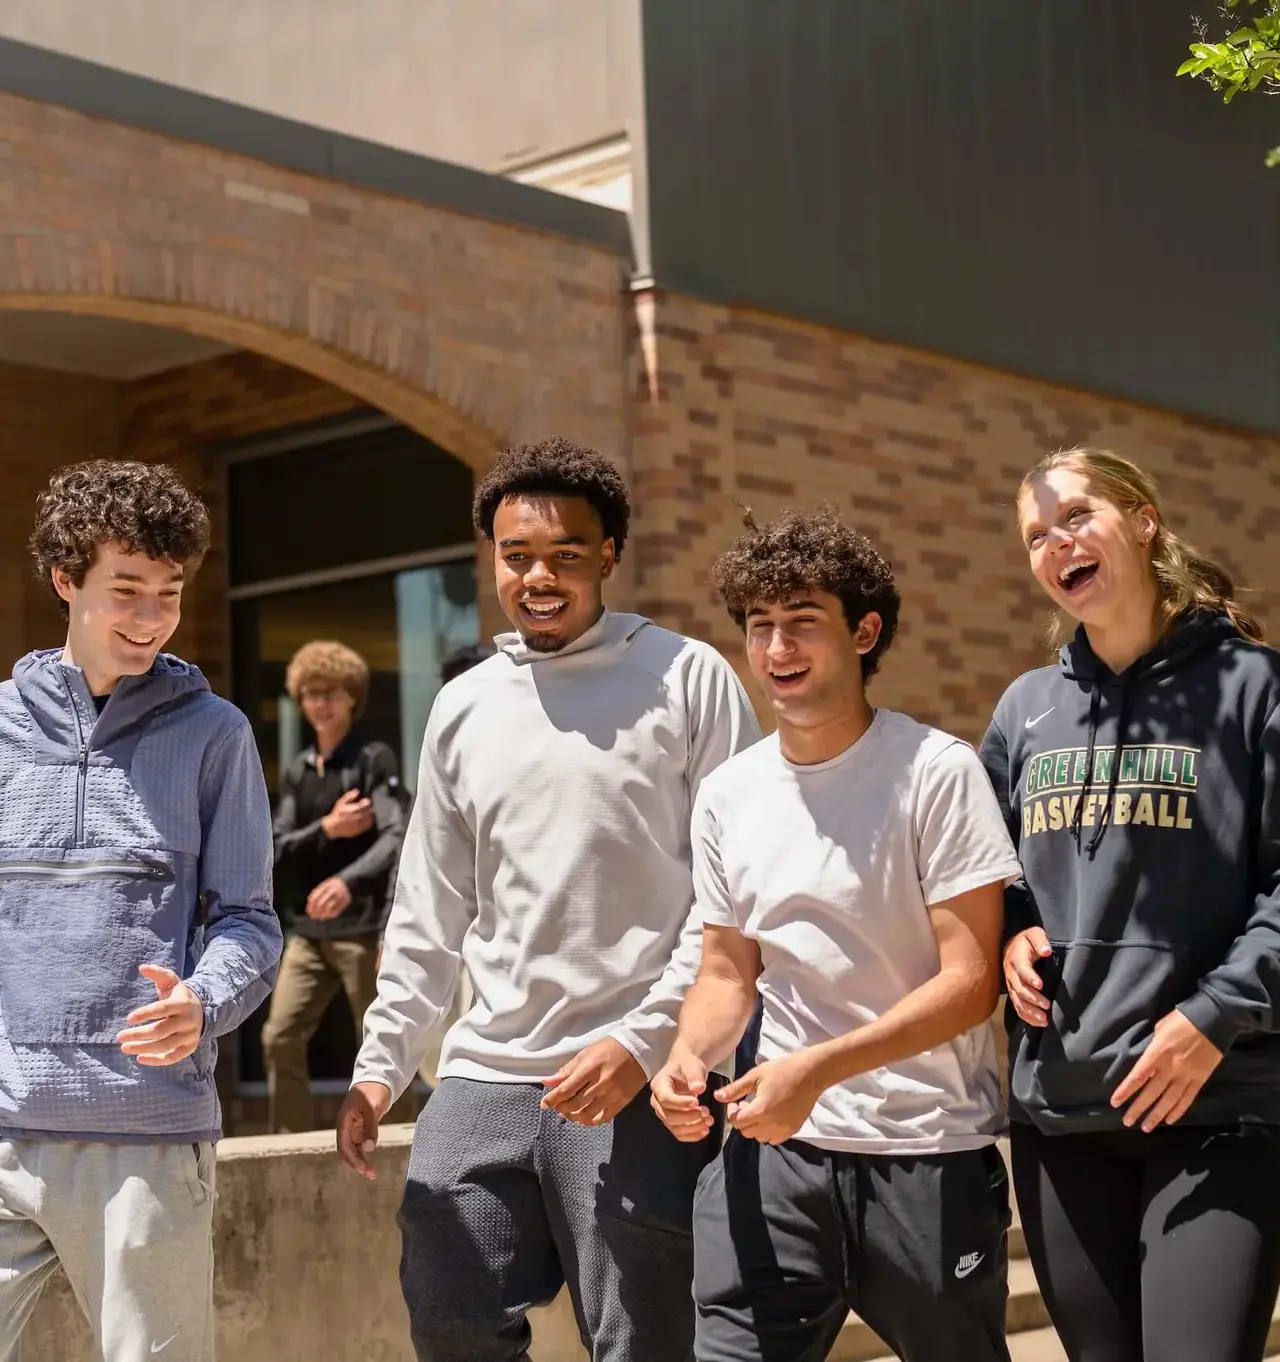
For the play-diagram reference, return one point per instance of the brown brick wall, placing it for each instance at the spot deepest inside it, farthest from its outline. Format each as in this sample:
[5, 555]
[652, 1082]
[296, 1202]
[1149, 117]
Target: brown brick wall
[49, 418]
[922, 452]
[181, 417]
[473, 332]
[46, 419]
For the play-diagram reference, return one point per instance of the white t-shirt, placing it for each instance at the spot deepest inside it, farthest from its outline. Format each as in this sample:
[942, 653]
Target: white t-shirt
[832, 868]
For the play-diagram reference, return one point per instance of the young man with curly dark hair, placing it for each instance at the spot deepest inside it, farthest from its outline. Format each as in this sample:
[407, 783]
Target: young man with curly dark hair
[136, 923]
[849, 872]
[548, 853]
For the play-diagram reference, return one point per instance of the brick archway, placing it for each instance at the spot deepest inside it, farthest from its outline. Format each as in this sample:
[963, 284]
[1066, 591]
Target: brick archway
[473, 331]
[396, 394]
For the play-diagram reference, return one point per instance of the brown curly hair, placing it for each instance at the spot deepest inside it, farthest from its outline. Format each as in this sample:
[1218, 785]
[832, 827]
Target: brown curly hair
[809, 551]
[558, 468]
[143, 507]
[330, 664]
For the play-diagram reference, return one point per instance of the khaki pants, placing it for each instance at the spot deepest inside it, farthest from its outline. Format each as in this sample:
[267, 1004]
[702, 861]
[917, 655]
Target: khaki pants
[311, 973]
[133, 1225]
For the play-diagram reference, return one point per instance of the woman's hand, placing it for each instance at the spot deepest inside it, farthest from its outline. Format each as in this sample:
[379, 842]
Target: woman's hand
[1022, 981]
[1168, 1075]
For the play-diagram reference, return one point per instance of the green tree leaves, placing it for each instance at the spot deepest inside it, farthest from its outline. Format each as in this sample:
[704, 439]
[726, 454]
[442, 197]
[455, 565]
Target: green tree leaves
[1247, 59]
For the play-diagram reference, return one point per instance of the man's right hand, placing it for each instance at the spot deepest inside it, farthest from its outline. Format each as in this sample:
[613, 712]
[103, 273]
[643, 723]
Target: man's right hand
[674, 1095]
[1021, 978]
[351, 816]
[366, 1104]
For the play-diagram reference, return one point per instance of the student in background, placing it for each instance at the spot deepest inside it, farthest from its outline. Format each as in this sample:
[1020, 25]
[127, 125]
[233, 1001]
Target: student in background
[338, 829]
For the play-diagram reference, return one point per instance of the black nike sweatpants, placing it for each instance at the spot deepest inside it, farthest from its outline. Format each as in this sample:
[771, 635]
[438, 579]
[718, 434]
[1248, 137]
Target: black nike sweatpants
[1154, 1248]
[788, 1238]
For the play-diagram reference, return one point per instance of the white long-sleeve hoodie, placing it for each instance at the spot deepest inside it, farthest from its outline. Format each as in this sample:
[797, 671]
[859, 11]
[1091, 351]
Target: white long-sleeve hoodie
[548, 851]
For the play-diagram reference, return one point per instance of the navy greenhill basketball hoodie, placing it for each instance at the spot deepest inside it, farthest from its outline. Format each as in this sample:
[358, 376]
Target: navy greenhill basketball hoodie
[1146, 811]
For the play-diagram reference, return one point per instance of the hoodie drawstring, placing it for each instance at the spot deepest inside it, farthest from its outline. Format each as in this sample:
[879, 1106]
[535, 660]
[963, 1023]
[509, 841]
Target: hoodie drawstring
[1117, 756]
[1095, 706]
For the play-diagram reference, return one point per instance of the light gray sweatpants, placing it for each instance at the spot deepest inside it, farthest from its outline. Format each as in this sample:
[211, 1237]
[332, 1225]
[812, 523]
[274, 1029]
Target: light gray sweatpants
[132, 1225]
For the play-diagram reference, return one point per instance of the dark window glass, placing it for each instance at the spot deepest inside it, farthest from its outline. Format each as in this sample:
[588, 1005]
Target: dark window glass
[403, 624]
[345, 499]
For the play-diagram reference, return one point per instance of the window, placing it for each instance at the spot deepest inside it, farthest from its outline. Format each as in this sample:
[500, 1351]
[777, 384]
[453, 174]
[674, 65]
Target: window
[362, 535]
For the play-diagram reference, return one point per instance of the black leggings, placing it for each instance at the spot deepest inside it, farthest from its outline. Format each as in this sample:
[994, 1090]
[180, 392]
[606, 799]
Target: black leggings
[1154, 1248]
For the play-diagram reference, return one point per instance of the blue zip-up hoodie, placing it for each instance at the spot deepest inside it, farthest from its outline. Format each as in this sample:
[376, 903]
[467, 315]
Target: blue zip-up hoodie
[141, 835]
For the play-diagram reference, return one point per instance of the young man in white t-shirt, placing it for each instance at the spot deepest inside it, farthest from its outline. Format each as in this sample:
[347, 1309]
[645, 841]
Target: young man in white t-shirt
[849, 870]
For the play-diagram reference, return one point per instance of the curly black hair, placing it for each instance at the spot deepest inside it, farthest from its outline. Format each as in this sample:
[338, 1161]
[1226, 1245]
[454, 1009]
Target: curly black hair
[806, 551]
[144, 507]
[559, 468]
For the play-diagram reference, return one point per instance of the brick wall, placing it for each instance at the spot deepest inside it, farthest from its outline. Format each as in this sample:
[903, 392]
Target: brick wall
[181, 417]
[46, 419]
[922, 452]
[472, 331]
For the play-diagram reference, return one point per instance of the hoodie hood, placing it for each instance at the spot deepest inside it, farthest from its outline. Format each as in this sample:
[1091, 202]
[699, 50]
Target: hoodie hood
[612, 632]
[1190, 635]
[57, 697]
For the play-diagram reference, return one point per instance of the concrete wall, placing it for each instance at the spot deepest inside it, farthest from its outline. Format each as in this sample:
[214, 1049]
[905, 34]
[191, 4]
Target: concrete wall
[307, 1263]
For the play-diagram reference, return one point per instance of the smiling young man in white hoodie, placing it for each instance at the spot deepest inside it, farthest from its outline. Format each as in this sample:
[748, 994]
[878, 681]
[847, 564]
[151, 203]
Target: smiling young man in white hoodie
[548, 853]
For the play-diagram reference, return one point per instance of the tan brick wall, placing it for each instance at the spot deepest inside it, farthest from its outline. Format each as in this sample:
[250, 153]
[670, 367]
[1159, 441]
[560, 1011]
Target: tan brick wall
[181, 417]
[922, 452]
[474, 332]
[46, 419]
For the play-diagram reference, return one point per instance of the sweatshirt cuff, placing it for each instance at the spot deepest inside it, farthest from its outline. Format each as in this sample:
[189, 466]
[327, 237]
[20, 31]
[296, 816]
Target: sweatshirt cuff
[1212, 1021]
[648, 1056]
[391, 1082]
[210, 1010]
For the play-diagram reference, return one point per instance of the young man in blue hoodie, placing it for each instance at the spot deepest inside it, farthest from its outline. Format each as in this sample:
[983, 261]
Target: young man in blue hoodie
[136, 924]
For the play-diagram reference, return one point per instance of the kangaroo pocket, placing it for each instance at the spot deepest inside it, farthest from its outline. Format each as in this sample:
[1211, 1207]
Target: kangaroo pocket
[74, 927]
[1106, 998]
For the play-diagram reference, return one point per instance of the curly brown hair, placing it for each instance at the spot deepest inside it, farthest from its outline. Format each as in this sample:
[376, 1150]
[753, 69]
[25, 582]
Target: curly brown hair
[330, 664]
[809, 551]
[143, 507]
[558, 468]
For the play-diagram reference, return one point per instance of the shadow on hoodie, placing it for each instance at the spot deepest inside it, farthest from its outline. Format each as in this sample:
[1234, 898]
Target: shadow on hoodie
[1146, 811]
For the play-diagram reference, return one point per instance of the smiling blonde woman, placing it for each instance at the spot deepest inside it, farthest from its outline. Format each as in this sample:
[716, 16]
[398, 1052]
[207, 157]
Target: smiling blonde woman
[1140, 776]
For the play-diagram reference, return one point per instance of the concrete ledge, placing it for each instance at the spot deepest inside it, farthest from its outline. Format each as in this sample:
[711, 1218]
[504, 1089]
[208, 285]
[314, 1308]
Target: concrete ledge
[308, 1262]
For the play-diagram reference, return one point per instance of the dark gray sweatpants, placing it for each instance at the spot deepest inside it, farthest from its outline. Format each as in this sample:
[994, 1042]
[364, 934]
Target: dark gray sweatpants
[505, 1203]
[789, 1238]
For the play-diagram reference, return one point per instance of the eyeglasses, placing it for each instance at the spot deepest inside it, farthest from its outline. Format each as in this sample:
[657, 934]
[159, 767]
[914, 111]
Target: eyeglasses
[317, 696]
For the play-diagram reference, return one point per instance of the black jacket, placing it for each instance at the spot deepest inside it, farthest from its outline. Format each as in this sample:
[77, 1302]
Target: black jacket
[1171, 901]
[305, 855]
